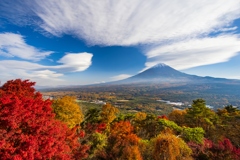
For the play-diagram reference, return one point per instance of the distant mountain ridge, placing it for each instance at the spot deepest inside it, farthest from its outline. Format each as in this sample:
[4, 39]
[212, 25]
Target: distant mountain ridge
[162, 73]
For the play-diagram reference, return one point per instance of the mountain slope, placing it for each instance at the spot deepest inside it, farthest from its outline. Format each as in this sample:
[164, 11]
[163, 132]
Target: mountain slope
[162, 73]
[158, 74]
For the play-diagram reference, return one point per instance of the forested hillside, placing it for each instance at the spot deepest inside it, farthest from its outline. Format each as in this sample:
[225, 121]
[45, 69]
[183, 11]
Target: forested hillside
[34, 128]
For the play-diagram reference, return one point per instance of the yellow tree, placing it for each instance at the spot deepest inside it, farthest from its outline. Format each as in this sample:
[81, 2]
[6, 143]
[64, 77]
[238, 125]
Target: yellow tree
[138, 123]
[68, 111]
[108, 113]
[170, 147]
[140, 116]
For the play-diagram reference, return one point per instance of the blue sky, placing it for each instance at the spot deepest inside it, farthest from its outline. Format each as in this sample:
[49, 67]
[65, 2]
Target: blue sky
[77, 42]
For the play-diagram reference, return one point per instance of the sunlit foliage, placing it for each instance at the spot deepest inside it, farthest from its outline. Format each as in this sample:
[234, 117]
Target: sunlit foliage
[67, 110]
[122, 143]
[108, 113]
[170, 147]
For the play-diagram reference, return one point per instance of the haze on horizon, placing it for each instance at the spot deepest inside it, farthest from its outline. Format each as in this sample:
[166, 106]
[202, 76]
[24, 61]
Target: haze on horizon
[77, 42]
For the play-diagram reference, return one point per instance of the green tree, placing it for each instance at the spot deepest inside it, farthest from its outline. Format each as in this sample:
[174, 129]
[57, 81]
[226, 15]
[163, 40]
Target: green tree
[201, 116]
[95, 135]
[148, 127]
[189, 134]
[231, 109]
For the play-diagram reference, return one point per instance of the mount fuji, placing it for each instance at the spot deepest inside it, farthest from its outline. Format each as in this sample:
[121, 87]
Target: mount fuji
[162, 73]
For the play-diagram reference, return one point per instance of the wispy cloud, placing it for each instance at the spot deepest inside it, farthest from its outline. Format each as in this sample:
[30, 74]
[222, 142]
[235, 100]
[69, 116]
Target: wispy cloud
[127, 22]
[42, 77]
[120, 77]
[228, 29]
[195, 52]
[14, 45]
[99, 82]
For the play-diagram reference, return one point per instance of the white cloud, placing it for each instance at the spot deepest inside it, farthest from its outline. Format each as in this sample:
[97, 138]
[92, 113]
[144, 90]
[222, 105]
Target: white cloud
[195, 52]
[132, 22]
[233, 77]
[128, 22]
[120, 77]
[14, 64]
[44, 75]
[179, 28]
[228, 29]
[75, 61]
[80, 62]
[14, 45]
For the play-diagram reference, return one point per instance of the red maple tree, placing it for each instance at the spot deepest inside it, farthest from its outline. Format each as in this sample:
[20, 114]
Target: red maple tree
[28, 129]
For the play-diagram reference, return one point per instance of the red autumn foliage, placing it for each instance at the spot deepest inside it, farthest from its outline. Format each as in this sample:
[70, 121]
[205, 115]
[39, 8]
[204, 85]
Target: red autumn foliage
[101, 127]
[78, 151]
[162, 117]
[28, 129]
[95, 127]
[20, 88]
[209, 150]
[226, 150]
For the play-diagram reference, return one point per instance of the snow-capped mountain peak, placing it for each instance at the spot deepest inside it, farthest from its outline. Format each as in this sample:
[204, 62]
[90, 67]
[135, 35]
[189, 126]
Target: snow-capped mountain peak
[159, 65]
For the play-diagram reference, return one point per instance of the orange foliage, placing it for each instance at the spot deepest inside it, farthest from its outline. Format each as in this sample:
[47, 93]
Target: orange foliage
[178, 116]
[122, 143]
[170, 147]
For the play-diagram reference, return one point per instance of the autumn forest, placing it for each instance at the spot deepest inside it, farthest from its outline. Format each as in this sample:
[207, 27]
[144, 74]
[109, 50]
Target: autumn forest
[32, 127]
